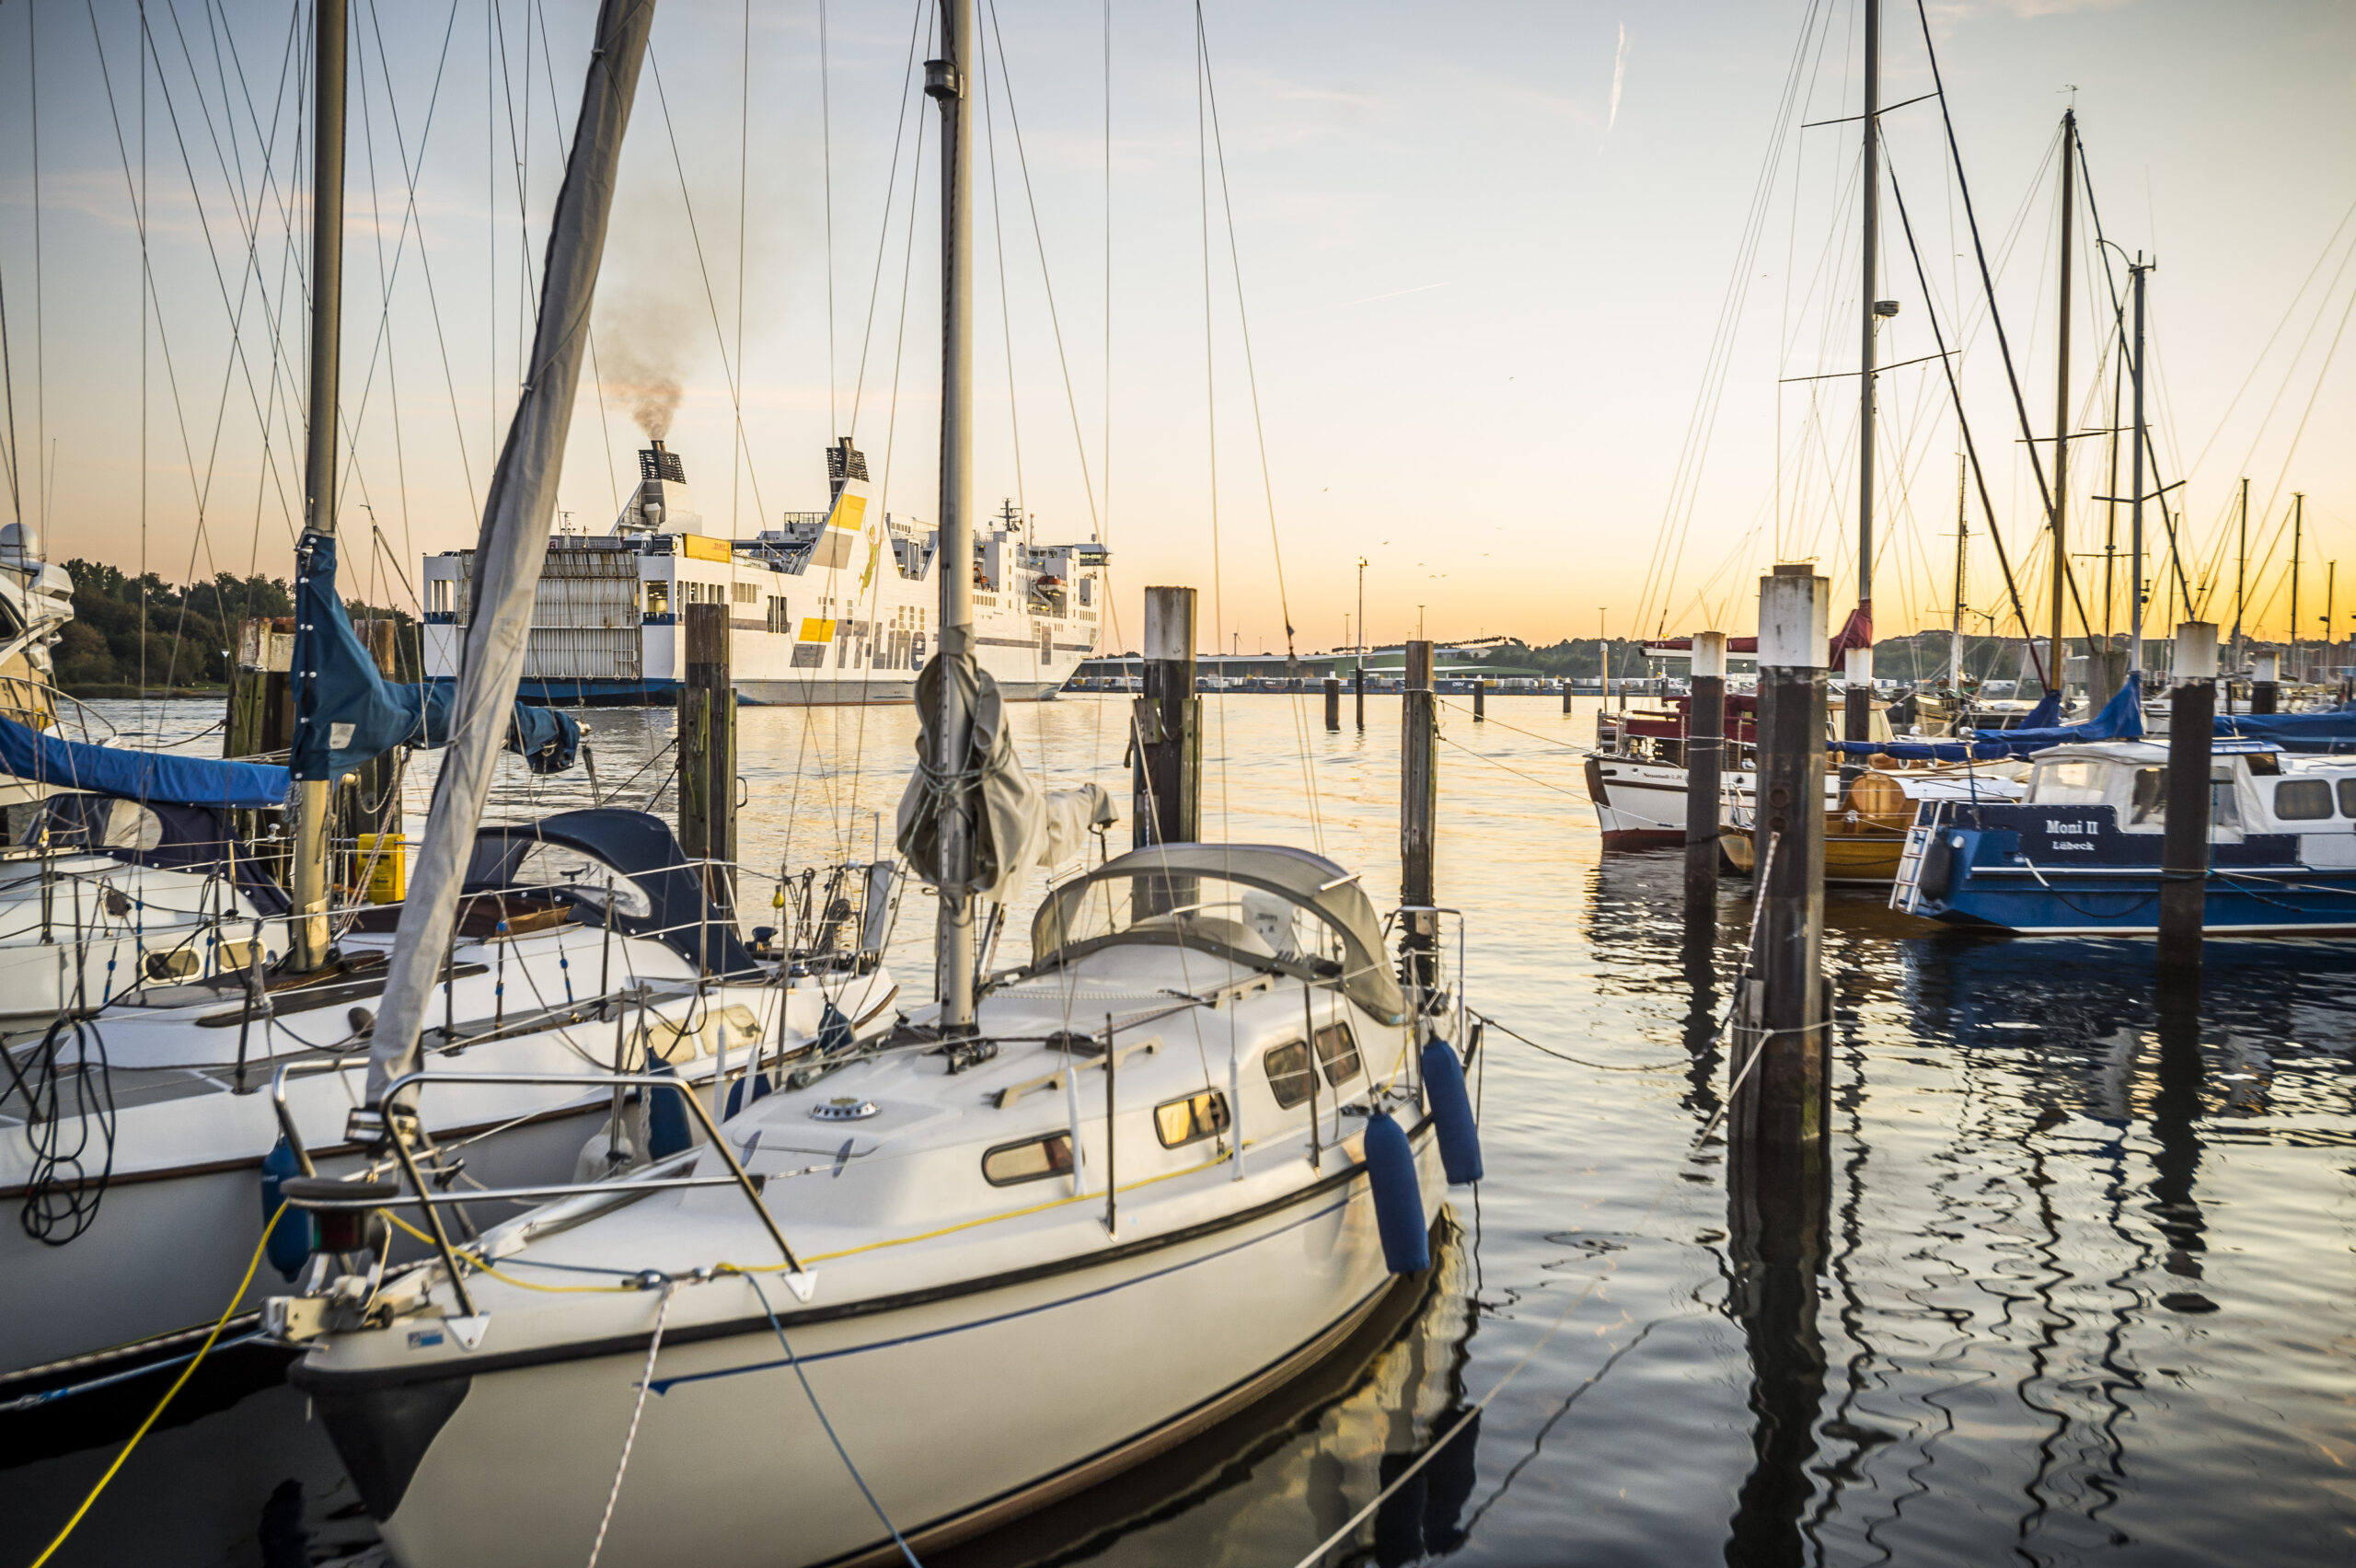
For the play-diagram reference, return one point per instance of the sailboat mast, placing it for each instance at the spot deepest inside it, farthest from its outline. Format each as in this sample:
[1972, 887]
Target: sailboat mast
[2055, 666]
[1856, 722]
[2136, 508]
[1962, 550]
[2241, 570]
[946, 82]
[314, 796]
[2298, 536]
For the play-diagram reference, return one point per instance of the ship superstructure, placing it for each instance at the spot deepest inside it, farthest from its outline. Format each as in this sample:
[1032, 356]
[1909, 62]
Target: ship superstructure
[833, 606]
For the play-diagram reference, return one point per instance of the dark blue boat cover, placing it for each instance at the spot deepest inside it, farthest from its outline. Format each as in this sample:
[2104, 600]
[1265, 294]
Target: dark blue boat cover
[2120, 720]
[346, 713]
[154, 778]
[2331, 730]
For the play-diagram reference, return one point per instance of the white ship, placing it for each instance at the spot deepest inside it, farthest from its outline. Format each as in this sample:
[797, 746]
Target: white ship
[830, 607]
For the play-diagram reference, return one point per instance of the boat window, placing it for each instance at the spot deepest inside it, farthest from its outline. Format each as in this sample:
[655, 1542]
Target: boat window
[2151, 803]
[1186, 1121]
[1338, 1052]
[1198, 909]
[2303, 800]
[2225, 800]
[2078, 783]
[1287, 1067]
[658, 597]
[2348, 797]
[1032, 1159]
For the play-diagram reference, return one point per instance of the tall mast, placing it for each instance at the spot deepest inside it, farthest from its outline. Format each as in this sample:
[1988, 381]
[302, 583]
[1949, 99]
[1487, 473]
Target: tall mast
[2135, 510]
[2061, 402]
[2241, 570]
[1962, 546]
[946, 82]
[2298, 530]
[1856, 722]
[313, 796]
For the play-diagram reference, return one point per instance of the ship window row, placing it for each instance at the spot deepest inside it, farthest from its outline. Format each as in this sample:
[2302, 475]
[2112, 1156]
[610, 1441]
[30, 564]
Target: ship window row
[2311, 800]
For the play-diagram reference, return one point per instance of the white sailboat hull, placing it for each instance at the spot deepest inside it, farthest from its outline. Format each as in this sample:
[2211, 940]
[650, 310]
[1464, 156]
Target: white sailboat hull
[958, 1412]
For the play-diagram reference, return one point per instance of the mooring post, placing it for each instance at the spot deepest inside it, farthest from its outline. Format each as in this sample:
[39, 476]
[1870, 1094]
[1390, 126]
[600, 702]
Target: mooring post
[1480, 701]
[2266, 691]
[708, 753]
[1566, 694]
[1857, 710]
[2184, 850]
[1705, 725]
[1358, 681]
[372, 803]
[1419, 817]
[1333, 702]
[1166, 778]
[261, 717]
[1779, 1103]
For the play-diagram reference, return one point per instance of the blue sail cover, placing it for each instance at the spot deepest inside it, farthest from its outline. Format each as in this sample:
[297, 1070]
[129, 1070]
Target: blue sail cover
[346, 713]
[151, 777]
[2331, 730]
[2120, 720]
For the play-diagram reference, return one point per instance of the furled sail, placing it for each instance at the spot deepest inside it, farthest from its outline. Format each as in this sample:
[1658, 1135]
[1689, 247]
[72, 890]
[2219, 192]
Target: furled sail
[151, 778]
[346, 712]
[1022, 826]
[514, 541]
[2120, 720]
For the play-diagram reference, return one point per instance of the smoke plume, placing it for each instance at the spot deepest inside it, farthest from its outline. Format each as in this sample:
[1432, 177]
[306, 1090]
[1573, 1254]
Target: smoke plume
[643, 338]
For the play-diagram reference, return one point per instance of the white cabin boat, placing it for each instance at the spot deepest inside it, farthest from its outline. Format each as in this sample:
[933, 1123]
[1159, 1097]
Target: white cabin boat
[835, 607]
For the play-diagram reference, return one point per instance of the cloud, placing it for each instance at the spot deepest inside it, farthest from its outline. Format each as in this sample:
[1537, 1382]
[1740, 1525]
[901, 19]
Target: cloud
[1619, 76]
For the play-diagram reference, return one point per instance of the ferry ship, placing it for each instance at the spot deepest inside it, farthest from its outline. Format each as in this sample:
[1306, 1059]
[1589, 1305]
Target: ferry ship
[833, 606]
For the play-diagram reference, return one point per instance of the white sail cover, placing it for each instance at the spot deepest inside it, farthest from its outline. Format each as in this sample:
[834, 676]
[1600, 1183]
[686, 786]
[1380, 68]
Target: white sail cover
[1022, 826]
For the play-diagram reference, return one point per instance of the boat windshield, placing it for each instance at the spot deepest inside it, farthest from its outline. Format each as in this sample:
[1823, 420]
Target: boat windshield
[1254, 924]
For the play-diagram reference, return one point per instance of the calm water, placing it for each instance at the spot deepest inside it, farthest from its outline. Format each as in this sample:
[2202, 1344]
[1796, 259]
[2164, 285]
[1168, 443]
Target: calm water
[2085, 1288]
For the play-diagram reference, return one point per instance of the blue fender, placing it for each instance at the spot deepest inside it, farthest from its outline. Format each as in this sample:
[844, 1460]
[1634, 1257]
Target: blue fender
[291, 1243]
[1452, 1109]
[666, 1118]
[1398, 1196]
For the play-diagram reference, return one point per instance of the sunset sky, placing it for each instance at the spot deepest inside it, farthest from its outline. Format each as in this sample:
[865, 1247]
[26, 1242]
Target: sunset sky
[1486, 254]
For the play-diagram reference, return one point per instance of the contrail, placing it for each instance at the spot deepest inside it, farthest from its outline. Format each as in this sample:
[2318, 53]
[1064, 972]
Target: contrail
[1619, 75]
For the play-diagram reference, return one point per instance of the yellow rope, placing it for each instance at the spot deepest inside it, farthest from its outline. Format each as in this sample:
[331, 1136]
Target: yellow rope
[186, 1373]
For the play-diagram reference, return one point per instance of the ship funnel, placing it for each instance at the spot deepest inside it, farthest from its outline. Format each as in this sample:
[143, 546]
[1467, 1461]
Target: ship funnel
[661, 504]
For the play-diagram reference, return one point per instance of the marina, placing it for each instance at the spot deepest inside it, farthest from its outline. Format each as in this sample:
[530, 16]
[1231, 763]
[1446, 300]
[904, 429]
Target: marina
[553, 1016]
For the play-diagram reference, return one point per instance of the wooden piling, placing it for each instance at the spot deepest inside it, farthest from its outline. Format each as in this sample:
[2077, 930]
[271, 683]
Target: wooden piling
[260, 720]
[2184, 850]
[371, 802]
[1358, 681]
[708, 753]
[1480, 701]
[1706, 723]
[1166, 780]
[1780, 1101]
[1566, 694]
[2266, 691]
[1418, 815]
[1333, 702]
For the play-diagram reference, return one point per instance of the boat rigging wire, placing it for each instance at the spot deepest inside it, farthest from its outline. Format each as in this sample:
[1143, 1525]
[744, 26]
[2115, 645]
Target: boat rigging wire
[819, 1411]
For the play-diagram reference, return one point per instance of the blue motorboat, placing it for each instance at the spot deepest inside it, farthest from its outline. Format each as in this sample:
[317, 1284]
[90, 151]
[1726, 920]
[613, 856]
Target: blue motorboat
[2080, 853]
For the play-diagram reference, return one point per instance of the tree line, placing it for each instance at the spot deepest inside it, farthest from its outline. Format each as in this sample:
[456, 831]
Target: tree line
[130, 633]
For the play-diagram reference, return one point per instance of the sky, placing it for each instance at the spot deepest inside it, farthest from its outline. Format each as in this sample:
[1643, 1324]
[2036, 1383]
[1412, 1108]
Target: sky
[1548, 311]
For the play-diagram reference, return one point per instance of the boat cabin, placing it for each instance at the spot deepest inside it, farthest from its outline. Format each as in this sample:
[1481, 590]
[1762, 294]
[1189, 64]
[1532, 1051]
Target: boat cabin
[2255, 787]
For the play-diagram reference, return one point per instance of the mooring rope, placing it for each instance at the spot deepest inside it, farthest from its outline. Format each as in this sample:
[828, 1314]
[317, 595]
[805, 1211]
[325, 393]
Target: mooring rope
[653, 1347]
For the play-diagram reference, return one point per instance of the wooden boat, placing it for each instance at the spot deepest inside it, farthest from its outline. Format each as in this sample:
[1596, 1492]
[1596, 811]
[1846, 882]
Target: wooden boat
[1864, 832]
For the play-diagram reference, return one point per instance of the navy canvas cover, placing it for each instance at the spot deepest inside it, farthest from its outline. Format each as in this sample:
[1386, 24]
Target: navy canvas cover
[2334, 730]
[347, 713]
[146, 776]
[2120, 720]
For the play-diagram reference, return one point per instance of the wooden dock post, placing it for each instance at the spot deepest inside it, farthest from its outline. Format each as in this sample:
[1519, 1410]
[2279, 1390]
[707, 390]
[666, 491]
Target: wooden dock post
[1418, 815]
[1480, 701]
[1167, 775]
[2266, 691]
[1333, 702]
[261, 720]
[372, 803]
[2184, 851]
[708, 753]
[1706, 724]
[1358, 680]
[1780, 1103]
[1566, 694]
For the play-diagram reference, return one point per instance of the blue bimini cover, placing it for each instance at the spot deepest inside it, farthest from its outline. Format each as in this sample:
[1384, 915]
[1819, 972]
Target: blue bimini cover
[2331, 730]
[152, 777]
[346, 713]
[2120, 720]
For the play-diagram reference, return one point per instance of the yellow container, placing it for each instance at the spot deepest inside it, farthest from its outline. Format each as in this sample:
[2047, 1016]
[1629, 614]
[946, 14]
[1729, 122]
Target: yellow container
[389, 877]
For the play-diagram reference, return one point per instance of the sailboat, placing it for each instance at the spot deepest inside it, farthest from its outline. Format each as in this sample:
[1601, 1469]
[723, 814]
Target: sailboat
[142, 1141]
[1067, 1216]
